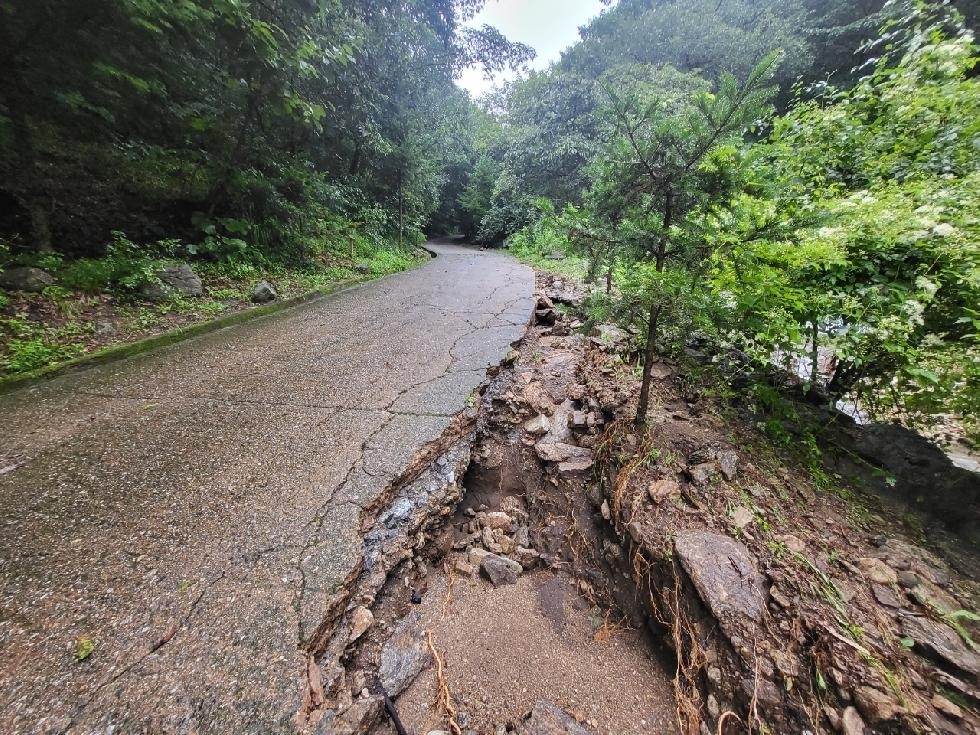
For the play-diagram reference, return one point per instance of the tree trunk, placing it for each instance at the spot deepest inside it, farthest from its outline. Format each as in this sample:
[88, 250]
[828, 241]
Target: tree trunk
[609, 280]
[814, 354]
[401, 213]
[653, 325]
[41, 229]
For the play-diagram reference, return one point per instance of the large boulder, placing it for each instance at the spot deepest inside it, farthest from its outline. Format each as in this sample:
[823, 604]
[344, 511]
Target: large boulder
[172, 279]
[33, 280]
[724, 574]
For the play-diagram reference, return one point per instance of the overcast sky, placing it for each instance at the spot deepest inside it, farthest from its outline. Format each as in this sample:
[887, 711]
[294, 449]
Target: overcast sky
[549, 26]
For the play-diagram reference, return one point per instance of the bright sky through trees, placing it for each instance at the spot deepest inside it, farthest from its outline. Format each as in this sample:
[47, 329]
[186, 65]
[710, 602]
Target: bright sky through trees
[549, 26]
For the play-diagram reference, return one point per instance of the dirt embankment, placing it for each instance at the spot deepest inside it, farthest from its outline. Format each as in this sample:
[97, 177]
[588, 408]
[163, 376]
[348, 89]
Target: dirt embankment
[597, 579]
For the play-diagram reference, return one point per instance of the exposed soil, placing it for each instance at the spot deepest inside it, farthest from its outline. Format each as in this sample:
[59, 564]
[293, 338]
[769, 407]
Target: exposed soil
[507, 648]
[688, 578]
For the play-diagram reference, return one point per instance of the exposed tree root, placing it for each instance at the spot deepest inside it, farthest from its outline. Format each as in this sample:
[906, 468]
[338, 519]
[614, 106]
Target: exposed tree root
[445, 699]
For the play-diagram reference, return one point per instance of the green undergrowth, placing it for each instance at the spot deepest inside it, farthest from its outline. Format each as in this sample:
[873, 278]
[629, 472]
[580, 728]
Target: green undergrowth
[96, 307]
[537, 241]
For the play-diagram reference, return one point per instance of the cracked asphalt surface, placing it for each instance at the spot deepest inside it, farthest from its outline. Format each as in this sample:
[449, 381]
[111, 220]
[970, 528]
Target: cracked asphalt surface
[193, 510]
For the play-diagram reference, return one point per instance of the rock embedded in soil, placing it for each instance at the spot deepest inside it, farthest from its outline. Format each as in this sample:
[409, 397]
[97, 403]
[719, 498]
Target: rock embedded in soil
[500, 570]
[702, 474]
[875, 705]
[947, 707]
[724, 574]
[742, 517]
[941, 643]
[403, 656]
[361, 620]
[876, 570]
[851, 722]
[548, 719]
[497, 520]
[661, 491]
[561, 452]
[31, 280]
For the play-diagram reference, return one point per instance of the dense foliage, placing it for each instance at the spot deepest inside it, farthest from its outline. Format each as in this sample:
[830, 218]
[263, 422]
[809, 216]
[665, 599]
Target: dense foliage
[244, 129]
[843, 231]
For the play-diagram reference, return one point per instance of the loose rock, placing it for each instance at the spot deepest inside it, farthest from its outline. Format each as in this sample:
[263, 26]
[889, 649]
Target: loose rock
[264, 292]
[540, 424]
[661, 491]
[361, 620]
[547, 719]
[32, 280]
[561, 452]
[702, 474]
[404, 656]
[173, 278]
[500, 571]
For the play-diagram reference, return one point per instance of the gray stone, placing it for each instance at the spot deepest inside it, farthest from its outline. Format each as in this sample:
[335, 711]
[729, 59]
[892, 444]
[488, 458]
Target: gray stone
[886, 595]
[264, 292]
[875, 705]
[851, 722]
[500, 571]
[608, 335]
[575, 466]
[556, 255]
[561, 452]
[403, 656]
[728, 462]
[361, 620]
[876, 570]
[547, 719]
[702, 474]
[724, 574]
[174, 279]
[32, 280]
[540, 424]
[941, 643]
[358, 718]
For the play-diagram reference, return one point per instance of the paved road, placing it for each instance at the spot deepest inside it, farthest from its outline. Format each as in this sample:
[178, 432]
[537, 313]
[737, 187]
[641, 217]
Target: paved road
[192, 510]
